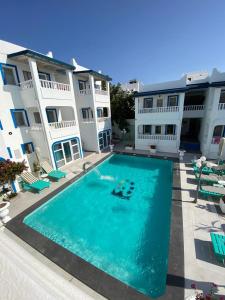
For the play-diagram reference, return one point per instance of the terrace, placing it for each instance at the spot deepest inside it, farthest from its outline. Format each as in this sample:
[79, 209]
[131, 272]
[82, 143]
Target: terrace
[199, 265]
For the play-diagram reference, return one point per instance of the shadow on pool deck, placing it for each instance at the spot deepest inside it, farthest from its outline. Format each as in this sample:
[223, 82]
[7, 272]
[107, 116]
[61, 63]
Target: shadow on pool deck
[97, 279]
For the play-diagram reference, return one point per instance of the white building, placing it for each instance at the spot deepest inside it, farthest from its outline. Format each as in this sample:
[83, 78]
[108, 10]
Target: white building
[93, 106]
[131, 86]
[38, 114]
[188, 113]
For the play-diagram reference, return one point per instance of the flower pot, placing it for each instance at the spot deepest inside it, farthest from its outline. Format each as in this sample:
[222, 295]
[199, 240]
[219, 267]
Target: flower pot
[4, 212]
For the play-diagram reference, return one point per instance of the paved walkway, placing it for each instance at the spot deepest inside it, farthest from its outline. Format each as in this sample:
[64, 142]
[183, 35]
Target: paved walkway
[199, 220]
[26, 274]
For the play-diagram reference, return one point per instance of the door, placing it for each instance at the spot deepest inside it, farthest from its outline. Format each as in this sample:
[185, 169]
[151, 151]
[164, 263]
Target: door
[67, 151]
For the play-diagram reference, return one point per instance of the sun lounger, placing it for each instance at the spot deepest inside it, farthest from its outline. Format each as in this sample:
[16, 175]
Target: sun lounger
[31, 182]
[53, 174]
[210, 179]
[218, 242]
[214, 191]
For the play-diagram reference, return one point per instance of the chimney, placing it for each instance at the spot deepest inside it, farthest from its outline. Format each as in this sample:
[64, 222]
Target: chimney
[49, 54]
[73, 62]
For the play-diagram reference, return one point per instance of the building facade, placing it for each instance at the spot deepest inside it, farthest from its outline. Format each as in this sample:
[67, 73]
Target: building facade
[185, 114]
[39, 112]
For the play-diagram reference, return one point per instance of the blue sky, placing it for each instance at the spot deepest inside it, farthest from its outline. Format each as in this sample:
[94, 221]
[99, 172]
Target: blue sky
[151, 40]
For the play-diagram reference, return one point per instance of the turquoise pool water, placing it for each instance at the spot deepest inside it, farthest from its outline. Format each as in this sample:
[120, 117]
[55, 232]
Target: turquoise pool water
[122, 226]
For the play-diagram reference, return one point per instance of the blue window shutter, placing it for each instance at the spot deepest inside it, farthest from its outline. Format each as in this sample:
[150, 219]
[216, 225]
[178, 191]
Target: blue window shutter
[23, 148]
[1, 127]
[9, 152]
[13, 117]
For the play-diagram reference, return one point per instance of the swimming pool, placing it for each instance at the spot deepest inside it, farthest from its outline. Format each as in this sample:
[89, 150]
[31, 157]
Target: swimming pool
[117, 218]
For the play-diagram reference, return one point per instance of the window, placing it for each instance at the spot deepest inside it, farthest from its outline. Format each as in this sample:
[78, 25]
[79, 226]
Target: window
[170, 129]
[27, 148]
[222, 96]
[104, 139]
[9, 74]
[158, 129]
[105, 112]
[44, 76]
[82, 85]
[148, 103]
[159, 102]
[19, 117]
[219, 131]
[147, 129]
[172, 100]
[27, 75]
[87, 113]
[51, 115]
[66, 151]
[99, 112]
[37, 117]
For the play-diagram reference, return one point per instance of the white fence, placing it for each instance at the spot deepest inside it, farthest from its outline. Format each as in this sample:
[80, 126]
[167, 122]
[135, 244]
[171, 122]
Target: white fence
[221, 106]
[194, 107]
[159, 137]
[101, 92]
[159, 109]
[62, 124]
[54, 85]
[26, 84]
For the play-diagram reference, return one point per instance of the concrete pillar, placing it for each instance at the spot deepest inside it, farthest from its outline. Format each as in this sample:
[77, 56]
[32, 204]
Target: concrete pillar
[92, 87]
[41, 107]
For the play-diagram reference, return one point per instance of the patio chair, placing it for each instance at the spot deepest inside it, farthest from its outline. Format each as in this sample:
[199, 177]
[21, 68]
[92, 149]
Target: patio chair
[213, 191]
[208, 179]
[53, 174]
[205, 170]
[31, 182]
[218, 242]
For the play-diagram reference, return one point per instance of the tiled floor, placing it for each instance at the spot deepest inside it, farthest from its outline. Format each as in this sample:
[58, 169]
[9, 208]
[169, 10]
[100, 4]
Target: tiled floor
[25, 272]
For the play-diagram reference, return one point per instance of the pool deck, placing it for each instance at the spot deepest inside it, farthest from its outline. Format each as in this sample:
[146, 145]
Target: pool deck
[31, 272]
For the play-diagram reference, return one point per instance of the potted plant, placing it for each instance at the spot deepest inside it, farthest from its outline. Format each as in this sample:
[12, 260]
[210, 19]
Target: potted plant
[222, 204]
[8, 172]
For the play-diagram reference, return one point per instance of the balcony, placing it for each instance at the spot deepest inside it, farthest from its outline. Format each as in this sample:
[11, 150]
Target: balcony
[221, 106]
[101, 92]
[159, 109]
[194, 111]
[49, 90]
[85, 92]
[157, 137]
[63, 128]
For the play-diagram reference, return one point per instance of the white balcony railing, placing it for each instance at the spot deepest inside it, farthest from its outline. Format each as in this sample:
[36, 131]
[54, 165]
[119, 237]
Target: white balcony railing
[159, 137]
[54, 85]
[85, 92]
[101, 92]
[62, 124]
[26, 84]
[88, 120]
[194, 107]
[102, 119]
[221, 106]
[159, 109]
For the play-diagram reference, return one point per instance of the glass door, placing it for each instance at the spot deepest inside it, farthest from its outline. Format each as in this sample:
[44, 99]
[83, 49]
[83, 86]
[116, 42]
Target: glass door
[67, 151]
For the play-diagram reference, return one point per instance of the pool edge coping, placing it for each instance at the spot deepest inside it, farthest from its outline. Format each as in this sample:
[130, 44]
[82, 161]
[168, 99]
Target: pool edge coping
[96, 279]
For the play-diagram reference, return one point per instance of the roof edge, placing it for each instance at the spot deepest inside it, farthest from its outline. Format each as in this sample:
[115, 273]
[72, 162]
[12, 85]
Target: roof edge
[106, 77]
[34, 54]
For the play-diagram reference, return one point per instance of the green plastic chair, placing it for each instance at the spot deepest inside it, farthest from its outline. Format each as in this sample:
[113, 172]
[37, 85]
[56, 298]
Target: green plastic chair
[53, 174]
[213, 191]
[218, 242]
[30, 182]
